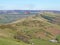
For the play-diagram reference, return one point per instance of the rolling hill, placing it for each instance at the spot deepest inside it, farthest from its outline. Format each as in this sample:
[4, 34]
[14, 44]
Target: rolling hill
[38, 29]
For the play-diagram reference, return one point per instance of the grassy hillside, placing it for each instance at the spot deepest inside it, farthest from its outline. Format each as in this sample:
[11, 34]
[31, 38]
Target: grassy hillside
[33, 30]
[5, 41]
[51, 17]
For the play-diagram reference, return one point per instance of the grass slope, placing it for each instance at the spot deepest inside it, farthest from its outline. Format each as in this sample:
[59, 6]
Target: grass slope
[6, 41]
[33, 29]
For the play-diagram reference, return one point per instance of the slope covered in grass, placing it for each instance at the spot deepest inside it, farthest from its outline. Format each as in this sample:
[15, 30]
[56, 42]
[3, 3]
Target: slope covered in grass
[34, 29]
[7, 41]
[51, 17]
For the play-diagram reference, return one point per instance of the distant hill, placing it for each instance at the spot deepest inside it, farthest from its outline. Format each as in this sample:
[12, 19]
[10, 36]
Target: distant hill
[25, 11]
